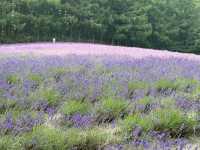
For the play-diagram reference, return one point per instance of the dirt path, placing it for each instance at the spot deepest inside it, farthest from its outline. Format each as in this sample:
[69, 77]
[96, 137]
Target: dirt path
[62, 49]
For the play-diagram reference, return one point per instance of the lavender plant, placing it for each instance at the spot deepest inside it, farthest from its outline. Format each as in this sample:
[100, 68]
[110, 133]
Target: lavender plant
[110, 102]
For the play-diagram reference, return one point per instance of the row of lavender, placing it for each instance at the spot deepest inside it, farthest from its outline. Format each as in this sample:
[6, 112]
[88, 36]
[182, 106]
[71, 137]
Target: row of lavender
[93, 102]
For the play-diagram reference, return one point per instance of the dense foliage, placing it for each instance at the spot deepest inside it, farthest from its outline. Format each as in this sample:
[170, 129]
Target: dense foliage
[159, 24]
[93, 103]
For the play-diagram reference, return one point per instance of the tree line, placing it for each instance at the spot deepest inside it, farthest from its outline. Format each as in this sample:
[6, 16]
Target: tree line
[160, 24]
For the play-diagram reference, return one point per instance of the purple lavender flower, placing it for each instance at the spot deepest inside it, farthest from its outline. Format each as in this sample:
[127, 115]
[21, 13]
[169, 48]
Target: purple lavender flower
[81, 121]
[141, 142]
[136, 132]
[9, 122]
[50, 111]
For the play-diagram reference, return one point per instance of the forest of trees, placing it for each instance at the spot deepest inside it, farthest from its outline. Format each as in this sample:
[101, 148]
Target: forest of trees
[160, 24]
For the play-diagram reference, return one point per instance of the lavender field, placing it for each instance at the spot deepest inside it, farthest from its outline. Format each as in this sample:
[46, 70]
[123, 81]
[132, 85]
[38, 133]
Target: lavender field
[96, 97]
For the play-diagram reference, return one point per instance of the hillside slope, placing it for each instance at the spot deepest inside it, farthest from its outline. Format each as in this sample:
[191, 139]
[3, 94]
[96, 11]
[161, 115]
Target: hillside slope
[62, 49]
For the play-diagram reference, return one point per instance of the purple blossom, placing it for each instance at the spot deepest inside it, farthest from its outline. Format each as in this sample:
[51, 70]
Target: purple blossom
[141, 142]
[136, 132]
[24, 123]
[81, 121]
[9, 123]
[50, 111]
